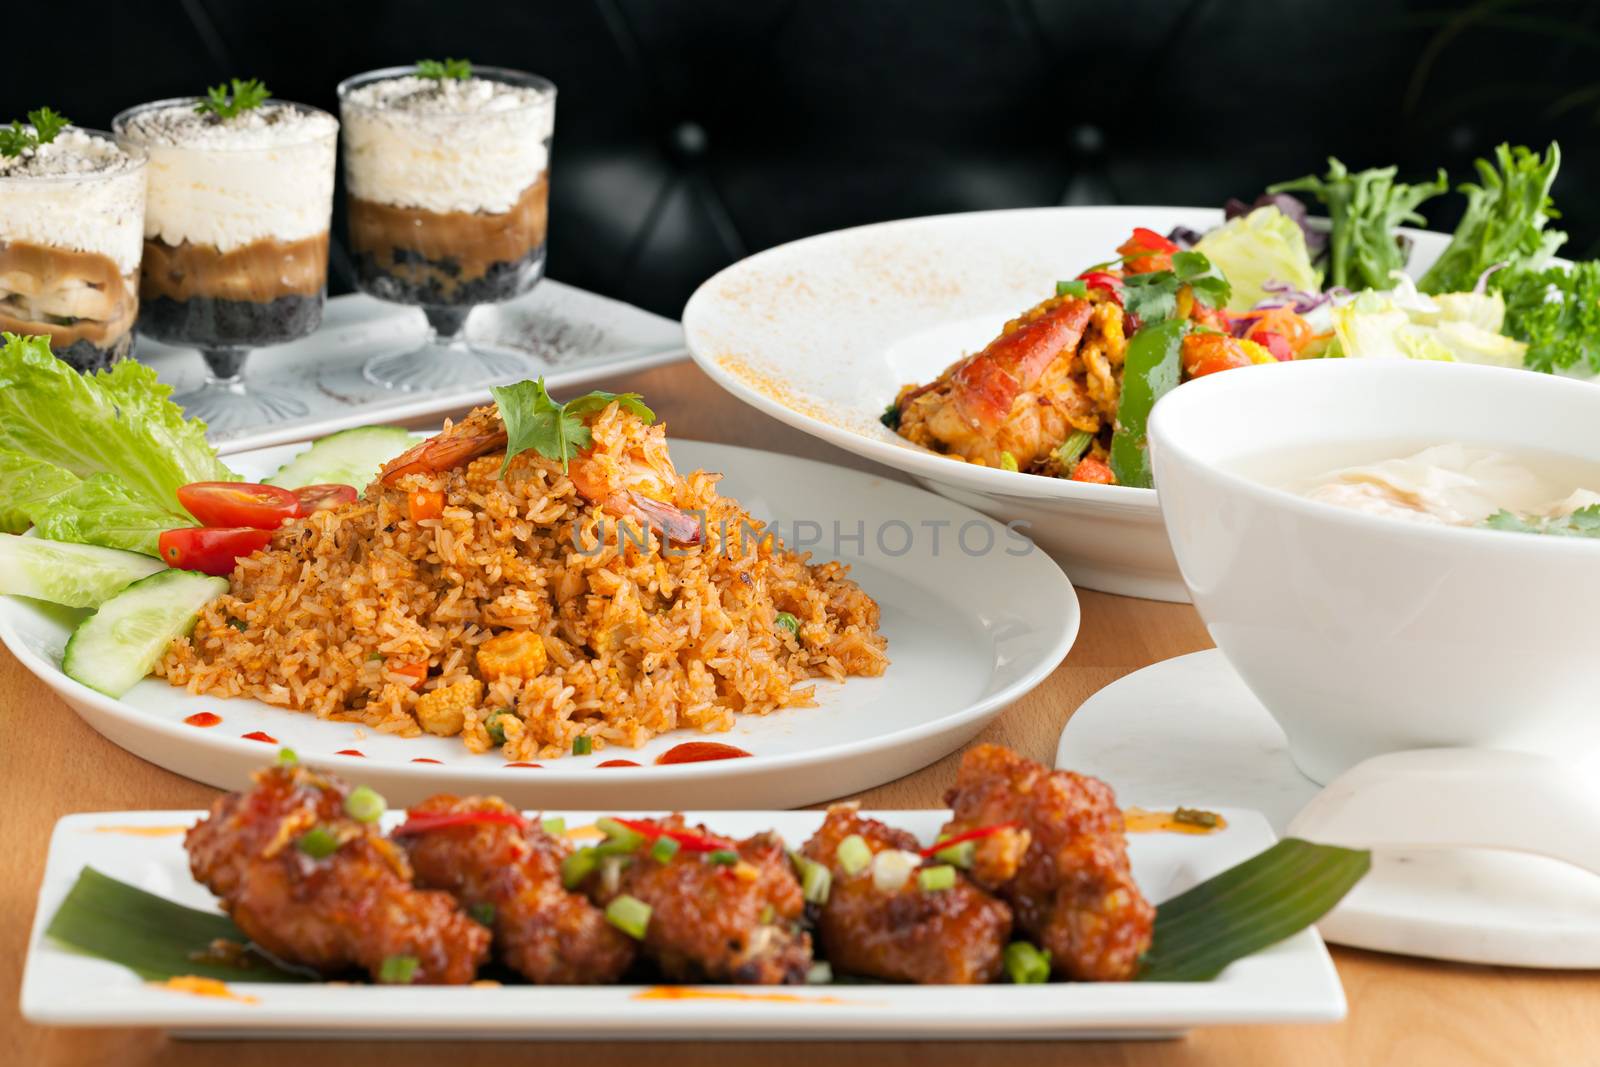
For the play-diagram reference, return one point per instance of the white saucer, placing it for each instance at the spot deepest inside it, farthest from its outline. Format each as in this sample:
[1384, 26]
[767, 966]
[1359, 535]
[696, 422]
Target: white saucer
[1188, 728]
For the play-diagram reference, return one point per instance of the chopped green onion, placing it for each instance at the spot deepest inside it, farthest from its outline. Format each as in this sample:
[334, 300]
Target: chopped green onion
[816, 881]
[611, 868]
[664, 849]
[935, 879]
[891, 416]
[483, 912]
[1008, 462]
[582, 745]
[891, 869]
[365, 804]
[238, 624]
[554, 825]
[1196, 817]
[287, 757]
[373, 656]
[620, 840]
[1072, 449]
[768, 914]
[788, 622]
[821, 973]
[630, 915]
[1027, 965]
[576, 868]
[1077, 287]
[854, 854]
[317, 842]
[960, 854]
[494, 727]
[398, 970]
[722, 857]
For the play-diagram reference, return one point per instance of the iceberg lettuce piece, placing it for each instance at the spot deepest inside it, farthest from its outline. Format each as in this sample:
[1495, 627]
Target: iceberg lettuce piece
[117, 422]
[25, 483]
[1406, 324]
[1251, 250]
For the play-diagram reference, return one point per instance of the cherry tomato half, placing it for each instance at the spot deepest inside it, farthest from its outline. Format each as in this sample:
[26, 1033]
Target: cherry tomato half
[210, 550]
[263, 507]
[324, 497]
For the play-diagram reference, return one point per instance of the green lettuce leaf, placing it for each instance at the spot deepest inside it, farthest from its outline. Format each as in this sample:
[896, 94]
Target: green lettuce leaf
[26, 483]
[1251, 250]
[1405, 324]
[1504, 221]
[101, 510]
[114, 422]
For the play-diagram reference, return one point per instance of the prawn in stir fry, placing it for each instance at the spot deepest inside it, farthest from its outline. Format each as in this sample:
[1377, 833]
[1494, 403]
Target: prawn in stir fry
[1046, 396]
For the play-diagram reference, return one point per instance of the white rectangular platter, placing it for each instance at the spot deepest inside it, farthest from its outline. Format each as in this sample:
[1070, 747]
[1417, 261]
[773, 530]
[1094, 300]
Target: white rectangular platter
[1292, 982]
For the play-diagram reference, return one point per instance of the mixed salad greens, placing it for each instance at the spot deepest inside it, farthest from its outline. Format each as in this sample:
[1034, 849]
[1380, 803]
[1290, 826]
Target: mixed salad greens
[1494, 295]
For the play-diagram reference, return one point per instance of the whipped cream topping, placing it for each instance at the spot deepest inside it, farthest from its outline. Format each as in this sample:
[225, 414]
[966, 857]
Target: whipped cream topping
[444, 145]
[266, 173]
[80, 192]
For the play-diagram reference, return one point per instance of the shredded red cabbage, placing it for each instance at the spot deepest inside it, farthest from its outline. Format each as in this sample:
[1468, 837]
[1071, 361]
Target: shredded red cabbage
[1483, 279]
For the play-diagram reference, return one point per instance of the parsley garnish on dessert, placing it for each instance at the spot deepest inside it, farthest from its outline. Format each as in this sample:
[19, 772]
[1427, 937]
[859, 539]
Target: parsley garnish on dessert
[245, 96]
[43, 125]
[439, 70]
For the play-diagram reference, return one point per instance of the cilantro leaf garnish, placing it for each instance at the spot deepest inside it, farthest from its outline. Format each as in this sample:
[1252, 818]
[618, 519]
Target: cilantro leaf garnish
[245, 96]
[1153, 296]
[556, 431]
[454, 69]
[1584, 522]
[17, 138]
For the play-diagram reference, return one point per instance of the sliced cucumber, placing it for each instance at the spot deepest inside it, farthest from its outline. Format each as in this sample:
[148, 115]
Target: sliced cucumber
[78, 576]
[350, 457]
[120, 644]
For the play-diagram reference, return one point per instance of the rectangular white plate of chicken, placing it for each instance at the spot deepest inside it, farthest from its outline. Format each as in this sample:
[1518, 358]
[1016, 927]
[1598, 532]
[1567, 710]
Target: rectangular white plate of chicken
[1293, 981]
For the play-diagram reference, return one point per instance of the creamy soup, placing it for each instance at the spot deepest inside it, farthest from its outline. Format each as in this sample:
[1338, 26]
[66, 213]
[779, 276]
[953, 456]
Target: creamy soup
[1448, 484]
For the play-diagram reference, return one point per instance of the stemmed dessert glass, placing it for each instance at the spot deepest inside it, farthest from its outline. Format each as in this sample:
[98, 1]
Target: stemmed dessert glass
[69, 256]
[448, 210]
[235, 256]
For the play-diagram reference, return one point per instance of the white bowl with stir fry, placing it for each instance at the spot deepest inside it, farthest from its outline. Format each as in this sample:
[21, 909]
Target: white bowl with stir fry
[832, 333]
[1394, 554]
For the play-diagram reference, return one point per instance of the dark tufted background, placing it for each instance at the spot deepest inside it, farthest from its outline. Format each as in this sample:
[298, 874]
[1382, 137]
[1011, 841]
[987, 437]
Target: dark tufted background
[692, 132]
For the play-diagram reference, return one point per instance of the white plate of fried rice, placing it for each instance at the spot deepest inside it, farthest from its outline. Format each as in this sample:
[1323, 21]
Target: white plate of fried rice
[943, 619]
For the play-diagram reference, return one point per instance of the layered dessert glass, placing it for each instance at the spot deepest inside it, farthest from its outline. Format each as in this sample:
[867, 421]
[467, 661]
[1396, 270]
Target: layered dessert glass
[449, 189]
[236, 240]
[71, 231]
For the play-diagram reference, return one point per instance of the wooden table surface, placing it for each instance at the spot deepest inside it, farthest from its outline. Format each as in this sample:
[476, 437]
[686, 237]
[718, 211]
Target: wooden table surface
[1402, 1011]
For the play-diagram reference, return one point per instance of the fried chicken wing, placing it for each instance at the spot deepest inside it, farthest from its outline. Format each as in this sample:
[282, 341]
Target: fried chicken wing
[339, 898]
[542, 931]
[713, 921]
[1063, 867]
[948, 936]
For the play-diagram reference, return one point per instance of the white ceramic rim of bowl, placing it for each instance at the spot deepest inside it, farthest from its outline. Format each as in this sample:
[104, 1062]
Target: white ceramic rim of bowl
[1214, 388]
[915, 459]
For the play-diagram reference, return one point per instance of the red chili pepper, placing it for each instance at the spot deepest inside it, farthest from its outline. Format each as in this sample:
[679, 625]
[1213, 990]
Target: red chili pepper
[686, 838]
[1147, 238]
[969, 835]
[1275, 343]
[427, 823]
[1100, 279]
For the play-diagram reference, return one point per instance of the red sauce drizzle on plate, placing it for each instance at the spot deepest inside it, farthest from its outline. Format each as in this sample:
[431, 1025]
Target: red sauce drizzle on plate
[203, 718]
[424, 759]
[538, 766]
[351, 752]
[257, 735]
[617, 763]
[700, 752]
